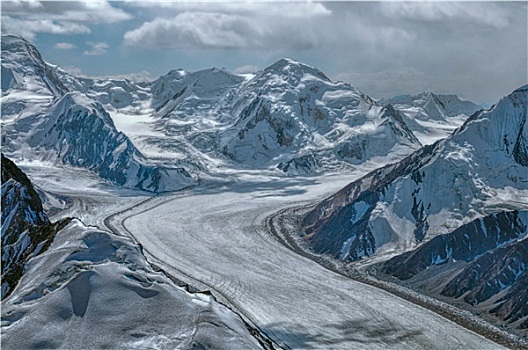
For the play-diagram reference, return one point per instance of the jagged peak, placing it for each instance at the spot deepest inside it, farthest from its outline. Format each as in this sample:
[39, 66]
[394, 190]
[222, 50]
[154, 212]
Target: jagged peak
[15, 46]
[292, 66]
[14, 38]
[79, 101]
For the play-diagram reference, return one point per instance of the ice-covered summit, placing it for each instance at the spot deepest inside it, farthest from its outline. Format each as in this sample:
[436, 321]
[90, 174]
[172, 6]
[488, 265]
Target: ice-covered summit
[436, 106]
[24, 69]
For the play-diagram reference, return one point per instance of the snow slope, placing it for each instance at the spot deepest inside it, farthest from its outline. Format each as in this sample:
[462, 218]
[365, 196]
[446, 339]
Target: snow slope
[431, 116]
[95, 290]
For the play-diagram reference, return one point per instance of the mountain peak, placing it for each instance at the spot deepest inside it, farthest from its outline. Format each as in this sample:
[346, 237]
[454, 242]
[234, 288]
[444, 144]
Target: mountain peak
[13, 38]
[292, 67]
[24, 68]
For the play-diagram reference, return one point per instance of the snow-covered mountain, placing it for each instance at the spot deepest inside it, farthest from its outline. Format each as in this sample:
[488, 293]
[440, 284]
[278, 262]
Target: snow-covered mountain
[431, 116]
[291, 112]
[289, 117]
[71, 127]
[26, 229]
[481, 170]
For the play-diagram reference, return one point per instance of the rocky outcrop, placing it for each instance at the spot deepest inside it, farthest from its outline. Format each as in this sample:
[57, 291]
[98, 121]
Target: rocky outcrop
[26, 230]
[486, 262]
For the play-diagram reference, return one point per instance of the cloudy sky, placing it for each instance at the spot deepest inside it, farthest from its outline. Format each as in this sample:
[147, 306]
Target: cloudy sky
[477, 50]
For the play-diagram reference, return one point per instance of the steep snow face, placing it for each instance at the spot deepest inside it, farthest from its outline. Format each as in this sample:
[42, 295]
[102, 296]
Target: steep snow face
[24, 69]
[28, 83]
[479, 170]
[291, 110]
[183, 95]
[432, 117]
[111, 93]
[92, 289]
[78, 131]
[26, 230]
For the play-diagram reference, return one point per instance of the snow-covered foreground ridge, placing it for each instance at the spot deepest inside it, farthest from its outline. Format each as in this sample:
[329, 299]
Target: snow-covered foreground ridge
[92, 289]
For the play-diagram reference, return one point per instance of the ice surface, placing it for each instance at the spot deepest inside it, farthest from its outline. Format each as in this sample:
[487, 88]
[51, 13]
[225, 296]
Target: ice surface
[215, 238]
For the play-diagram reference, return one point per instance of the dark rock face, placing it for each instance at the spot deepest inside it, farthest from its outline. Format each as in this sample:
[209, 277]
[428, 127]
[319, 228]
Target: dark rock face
[520, 149]
[26, 230]
[329, 225]
[465, 243]
[493, 277]
[497, 273]
[301, 165]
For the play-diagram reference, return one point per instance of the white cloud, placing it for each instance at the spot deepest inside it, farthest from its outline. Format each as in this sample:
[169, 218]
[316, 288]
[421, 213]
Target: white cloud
[489, 14]
[219, 30]
[28, 28]
[64, 46]
[97, 48]
[247, 69]
[77, 11]
[27, 18]
[293, 9]
[208, 30]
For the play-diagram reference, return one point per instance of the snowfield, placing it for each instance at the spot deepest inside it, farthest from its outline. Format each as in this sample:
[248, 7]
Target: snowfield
[214, 238]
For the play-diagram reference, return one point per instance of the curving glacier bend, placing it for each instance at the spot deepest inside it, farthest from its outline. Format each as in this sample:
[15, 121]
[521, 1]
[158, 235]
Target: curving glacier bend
[215, 238]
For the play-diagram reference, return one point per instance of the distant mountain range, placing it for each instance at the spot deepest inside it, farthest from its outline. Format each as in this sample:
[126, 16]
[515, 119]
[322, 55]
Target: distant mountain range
[289, 117]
